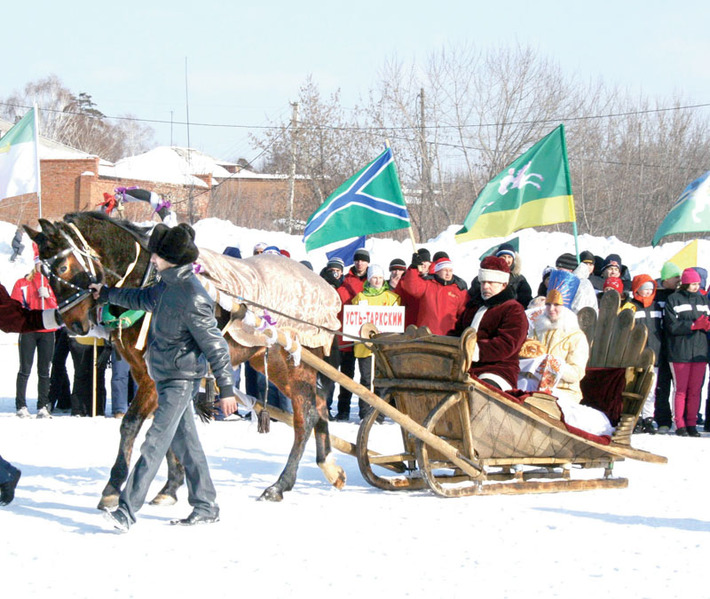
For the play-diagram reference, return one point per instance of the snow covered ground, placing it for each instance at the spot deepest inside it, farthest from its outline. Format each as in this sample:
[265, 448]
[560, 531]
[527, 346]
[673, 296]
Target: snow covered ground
[649, 540]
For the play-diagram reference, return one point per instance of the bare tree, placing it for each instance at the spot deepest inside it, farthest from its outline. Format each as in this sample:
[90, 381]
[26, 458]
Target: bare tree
[330, 147]
[75, 120]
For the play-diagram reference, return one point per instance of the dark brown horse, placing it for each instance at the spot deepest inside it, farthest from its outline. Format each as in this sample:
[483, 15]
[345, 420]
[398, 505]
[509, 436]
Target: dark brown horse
[91, 247]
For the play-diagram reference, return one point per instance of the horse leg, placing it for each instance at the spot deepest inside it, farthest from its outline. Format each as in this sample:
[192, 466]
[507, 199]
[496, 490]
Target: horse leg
[325, 459]
[130, 427]
[304, 418]
[140, 409]
[176, 477]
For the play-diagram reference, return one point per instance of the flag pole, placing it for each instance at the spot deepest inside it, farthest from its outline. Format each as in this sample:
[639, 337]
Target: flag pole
[571, 196]
[39, 176]
[409, 229]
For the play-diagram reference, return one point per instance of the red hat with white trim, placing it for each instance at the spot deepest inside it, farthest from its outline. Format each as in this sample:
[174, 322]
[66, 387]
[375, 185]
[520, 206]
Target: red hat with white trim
[494, 269]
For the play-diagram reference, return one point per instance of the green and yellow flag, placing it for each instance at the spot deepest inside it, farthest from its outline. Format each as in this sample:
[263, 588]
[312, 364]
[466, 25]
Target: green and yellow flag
[19, 164]
[532, 191]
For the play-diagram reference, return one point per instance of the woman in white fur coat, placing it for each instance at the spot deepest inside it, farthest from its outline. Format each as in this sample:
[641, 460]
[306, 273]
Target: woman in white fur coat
[557, 329]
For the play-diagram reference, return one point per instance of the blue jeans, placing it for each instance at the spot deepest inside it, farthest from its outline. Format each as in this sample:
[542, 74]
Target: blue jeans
[120, 373]
[173, 426]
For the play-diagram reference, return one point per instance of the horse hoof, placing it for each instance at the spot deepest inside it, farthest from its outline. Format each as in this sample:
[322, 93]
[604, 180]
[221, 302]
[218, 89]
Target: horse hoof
[163, 499]
[333, 473]
[339, 482]
[108, 502]
[272, 494]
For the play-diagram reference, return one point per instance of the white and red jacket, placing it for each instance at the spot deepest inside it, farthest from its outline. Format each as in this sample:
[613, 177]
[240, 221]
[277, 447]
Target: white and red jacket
[27, 292]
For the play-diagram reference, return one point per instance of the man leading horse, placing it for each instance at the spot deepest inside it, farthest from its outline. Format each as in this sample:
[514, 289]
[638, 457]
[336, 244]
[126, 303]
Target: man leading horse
[183, 338]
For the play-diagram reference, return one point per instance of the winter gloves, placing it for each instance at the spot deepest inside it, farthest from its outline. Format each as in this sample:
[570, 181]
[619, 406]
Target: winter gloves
[702, 323]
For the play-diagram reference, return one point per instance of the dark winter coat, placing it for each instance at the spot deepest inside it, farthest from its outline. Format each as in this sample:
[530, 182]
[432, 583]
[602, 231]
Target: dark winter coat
[183, 334]
[652, 317]
[681, 310]
[16, 319]
[500, 335]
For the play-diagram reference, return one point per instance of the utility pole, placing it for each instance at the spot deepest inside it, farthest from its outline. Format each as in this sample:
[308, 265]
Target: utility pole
[426, 167]
[190, 203]
[292, 175]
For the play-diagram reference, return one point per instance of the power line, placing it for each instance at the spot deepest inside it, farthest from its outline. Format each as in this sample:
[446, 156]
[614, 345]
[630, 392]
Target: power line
[373, 128]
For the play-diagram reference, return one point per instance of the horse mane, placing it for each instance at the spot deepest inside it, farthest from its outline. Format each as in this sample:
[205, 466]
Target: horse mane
[139, 232]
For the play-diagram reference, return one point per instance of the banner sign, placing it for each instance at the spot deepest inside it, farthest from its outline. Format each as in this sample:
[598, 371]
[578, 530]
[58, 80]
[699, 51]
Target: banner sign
[387, 319]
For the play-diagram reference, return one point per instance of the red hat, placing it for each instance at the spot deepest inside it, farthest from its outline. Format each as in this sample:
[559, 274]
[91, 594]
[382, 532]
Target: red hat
[285, 253]
[35, 252]
[494, 269]
[439, 264]
[614, 283]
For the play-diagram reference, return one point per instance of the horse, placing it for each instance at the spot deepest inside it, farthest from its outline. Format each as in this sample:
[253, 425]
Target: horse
[88, 247]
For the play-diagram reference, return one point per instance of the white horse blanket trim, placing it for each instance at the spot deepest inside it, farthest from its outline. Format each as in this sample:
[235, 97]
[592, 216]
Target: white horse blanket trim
[275, 282]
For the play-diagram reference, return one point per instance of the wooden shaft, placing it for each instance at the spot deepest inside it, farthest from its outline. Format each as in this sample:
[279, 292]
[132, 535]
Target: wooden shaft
[385, 408]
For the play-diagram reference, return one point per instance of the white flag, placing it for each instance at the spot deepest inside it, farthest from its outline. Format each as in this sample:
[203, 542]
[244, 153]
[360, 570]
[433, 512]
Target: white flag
[19, 167]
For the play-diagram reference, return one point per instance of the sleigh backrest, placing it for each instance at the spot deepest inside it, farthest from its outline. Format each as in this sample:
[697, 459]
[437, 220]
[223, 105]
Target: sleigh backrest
[617, 341]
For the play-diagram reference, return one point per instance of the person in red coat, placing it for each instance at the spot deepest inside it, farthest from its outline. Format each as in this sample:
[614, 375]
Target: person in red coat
[33, 292]
[500, 323]
[353, 283]
[439, 300]
[14, 318]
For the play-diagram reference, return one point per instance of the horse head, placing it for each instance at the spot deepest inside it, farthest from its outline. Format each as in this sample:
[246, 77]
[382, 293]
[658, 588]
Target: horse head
[73, 253]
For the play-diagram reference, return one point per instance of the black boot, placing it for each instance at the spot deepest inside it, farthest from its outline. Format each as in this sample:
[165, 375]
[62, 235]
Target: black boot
[197, 518]
[692, 431]
[648, 426]
[7, 490]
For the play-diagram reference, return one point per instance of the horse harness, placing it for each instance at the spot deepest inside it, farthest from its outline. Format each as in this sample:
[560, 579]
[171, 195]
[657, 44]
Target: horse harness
[89, 260]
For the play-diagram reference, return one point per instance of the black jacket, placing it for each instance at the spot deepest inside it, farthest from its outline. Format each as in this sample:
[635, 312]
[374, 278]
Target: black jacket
[652, 317]
[183, 334]
[682, 309]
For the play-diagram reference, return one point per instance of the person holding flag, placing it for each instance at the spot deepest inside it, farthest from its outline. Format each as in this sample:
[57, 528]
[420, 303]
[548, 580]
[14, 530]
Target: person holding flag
[439, 300]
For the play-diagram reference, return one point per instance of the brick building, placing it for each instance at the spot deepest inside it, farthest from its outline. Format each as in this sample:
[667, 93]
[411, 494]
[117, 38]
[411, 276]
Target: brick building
[195, 184]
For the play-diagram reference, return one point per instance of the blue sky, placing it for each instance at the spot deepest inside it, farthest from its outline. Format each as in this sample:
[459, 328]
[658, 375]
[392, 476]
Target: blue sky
[246, 61]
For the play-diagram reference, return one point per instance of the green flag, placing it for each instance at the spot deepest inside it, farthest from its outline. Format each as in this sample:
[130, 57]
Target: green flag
[19, 166]
[532, 191]
[690, 213]
[371, 201]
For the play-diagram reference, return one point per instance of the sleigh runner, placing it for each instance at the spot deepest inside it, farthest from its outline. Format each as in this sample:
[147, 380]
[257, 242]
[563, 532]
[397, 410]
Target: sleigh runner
[460, 436]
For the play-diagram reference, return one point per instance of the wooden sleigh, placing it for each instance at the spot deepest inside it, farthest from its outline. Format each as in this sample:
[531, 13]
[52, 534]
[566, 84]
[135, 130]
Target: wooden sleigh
[495, 443]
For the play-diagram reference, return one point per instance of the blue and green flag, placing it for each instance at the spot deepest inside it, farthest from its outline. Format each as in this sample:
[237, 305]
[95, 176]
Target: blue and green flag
[691, 211]
[532, 191]
[371, 201]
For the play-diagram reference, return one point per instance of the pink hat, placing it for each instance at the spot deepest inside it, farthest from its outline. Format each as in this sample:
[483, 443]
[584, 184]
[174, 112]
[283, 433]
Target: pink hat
[690, 275]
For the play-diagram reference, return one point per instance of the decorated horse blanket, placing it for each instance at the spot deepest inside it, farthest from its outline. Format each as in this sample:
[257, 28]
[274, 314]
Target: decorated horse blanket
[277, 289]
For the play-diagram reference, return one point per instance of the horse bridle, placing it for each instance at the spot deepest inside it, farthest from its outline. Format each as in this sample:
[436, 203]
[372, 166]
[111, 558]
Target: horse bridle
[88, 258]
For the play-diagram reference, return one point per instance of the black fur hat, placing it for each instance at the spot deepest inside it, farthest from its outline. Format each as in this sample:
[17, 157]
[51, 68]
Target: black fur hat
[175, 245]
